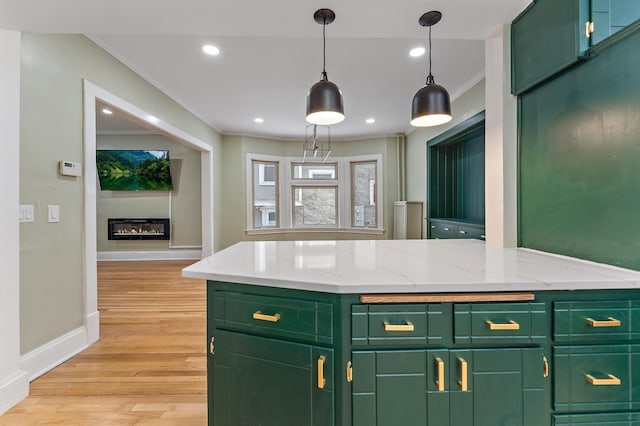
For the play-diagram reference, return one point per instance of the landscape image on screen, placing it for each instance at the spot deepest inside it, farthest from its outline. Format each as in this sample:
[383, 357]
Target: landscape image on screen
[134, 170]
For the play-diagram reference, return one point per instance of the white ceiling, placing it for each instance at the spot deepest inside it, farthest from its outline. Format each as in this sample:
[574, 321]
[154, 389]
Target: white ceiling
[271, 53]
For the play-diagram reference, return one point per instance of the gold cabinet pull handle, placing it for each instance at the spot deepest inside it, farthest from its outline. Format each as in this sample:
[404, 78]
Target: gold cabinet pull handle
[609, 322]
[463, 232]
[611, 380]
[321, 380]
[463, 382]
[349, 372]
[447, 229]
[440, 367]
[398, 327]
[212, 346]
[545, 367]
[511, 325]
[263, 317]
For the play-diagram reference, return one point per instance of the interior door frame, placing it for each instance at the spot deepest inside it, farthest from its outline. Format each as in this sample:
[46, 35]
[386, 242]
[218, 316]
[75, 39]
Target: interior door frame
[92, 93]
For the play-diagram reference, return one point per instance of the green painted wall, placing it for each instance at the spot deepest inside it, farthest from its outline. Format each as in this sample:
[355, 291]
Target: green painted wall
[183, 204]
[234, 192]
[580, 159]
[51, 125]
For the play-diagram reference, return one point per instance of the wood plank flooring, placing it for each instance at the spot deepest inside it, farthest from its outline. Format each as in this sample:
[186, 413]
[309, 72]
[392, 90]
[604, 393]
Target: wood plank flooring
[149, 366]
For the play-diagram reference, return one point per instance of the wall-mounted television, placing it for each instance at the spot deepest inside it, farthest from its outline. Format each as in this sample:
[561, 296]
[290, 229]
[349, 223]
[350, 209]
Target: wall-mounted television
[134, 170]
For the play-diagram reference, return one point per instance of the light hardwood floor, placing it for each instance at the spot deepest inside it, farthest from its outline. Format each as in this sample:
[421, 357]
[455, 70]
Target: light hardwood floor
[149, 366]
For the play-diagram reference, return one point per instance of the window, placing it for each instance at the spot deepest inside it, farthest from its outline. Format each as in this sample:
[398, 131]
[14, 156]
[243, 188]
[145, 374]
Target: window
[264, 192]
[363, 194]
[289, 195]
[315, 206]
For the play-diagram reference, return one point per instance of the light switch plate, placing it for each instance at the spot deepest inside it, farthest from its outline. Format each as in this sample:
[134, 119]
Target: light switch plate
[54, 213]
[26, 213]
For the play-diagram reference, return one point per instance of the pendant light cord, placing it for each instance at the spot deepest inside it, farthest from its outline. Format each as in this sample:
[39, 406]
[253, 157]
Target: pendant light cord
[430, 79]
[324, 50]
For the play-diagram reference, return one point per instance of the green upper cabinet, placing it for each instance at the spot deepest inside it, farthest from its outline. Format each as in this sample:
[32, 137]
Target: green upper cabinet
[547, 37]
[610, 16]
[551, 35]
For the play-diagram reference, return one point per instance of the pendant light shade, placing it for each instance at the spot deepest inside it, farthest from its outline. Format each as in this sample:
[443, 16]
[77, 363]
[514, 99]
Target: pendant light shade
[324, 104]
[324, 100]
[431, 105]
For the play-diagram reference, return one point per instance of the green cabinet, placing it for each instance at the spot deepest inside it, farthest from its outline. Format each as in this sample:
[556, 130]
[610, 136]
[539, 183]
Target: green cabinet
[262, 381]
[551, 35]
[466, 387]
[289, 358]
[455, 187]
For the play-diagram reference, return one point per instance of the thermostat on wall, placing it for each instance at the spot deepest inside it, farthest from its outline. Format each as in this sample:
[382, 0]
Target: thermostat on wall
[69, 168]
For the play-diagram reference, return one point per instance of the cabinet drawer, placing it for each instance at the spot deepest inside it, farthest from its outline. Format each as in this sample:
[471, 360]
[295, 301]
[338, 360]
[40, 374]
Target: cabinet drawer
[443, 230]
[499, 323]
[612, 419]
[596, 321]
[398, 324]
[595, 378]
[275, 316]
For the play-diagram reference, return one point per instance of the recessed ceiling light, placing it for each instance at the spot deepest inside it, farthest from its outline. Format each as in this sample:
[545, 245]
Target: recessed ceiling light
[370, 120]
[106, 111]
[258, 120]
[210, 49]
[417, 51]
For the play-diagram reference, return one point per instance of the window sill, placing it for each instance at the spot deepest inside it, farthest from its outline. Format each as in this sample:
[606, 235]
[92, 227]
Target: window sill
[268, 231]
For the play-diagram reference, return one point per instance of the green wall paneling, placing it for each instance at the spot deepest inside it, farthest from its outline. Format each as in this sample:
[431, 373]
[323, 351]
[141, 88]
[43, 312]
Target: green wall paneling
[579, 157]
[456, 172]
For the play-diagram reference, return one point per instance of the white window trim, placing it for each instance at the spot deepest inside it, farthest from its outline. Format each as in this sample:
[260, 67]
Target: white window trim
[343, 182]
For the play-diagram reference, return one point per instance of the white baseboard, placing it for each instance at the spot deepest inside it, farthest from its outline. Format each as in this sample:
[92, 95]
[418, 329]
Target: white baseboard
[13, 389]
[150, 255]
[92, 322]
[53, 353]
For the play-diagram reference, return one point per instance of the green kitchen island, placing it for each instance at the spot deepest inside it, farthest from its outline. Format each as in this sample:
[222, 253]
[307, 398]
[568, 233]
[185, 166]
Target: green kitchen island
[418, 332]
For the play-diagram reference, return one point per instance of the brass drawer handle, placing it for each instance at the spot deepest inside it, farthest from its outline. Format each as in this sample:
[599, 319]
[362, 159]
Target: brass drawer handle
[440, 366]
[545, 367]
[321, 380]
[609, 322]
[349, 372]
[463, 375]
[447, 229]
[609, 381]
[511, 325]
[398, 327]
[263, 317]
[463, 232]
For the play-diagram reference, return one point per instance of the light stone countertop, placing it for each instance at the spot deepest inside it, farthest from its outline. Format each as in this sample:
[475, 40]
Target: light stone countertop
[405, 266]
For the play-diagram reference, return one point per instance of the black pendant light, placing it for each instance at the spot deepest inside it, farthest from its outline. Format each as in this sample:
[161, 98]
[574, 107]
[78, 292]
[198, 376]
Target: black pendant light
[324, 100]
[431, 105]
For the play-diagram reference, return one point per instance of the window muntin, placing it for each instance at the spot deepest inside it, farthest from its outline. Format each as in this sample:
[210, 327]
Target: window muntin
[363, 194]
[312, 171]
[265, 193]
[315, 206]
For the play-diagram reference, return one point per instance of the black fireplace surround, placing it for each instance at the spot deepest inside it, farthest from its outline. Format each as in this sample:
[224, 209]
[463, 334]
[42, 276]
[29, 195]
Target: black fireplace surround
[139, 229]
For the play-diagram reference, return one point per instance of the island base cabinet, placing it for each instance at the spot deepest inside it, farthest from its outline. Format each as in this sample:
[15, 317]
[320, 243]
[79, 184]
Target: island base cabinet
[474, 387]
[269, 382]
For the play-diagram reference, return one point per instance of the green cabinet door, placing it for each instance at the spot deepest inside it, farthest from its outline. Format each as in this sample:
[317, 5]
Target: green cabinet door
[546, 38]
[471, 387]
[269, 382]
[508, 387]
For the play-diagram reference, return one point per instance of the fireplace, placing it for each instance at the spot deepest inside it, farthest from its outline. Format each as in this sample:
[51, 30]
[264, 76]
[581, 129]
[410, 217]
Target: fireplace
[139, 229]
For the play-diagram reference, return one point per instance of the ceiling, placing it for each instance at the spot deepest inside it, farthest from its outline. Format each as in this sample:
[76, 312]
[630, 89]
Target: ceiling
[271, 54]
